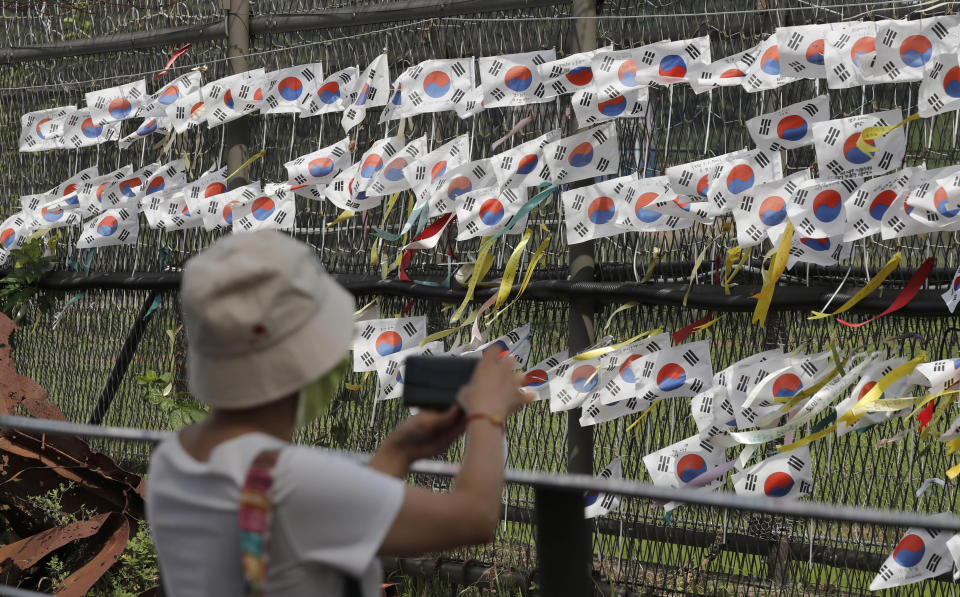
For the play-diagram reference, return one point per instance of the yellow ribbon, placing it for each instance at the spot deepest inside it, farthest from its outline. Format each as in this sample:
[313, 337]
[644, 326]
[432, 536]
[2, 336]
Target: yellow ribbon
[857, 411]
[777, 266]
[374, 249]
[693, 273]
[599, 352]
[534, 262]
[480, 268]
[343, 217]
[736, 257]
[938, 414]
[953, 445]
[643, 415]
[808, 439]
[621, 308]
[875, 132]
[861, 294]
[360, 311]
[953, 471]
[244, 165]
[510, 271]
[710, 323]
[353, 387]
[651, 263]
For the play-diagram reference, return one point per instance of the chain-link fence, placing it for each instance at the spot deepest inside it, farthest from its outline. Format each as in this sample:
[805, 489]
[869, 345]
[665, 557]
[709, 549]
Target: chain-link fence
[71, 349]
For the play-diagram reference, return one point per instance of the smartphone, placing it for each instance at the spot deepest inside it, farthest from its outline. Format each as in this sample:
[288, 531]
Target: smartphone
[433, 382]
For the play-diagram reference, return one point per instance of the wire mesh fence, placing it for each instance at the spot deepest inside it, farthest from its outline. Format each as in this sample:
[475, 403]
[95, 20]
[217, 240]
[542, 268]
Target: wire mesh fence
[71, 349]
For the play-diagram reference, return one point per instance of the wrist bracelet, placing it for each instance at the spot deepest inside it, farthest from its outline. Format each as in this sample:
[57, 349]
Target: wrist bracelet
[499, 422]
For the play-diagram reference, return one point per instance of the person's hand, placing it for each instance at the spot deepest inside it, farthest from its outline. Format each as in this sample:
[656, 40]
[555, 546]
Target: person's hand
[494, 388]
[427, 433]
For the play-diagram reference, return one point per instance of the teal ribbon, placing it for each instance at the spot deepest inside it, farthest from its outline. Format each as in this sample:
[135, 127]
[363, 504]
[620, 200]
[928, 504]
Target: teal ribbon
[529, 206]
[411, 220]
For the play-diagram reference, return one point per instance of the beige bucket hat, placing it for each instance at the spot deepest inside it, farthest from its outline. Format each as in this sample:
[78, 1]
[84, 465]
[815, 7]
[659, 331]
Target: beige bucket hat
[263, 319]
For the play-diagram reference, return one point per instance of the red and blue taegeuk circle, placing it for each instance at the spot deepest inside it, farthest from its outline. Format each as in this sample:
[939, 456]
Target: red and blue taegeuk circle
[329, 92]
[792, 128]
[951, 82]
[262, 208]
[817, 244]
[527, 163]
[90, 129]
[581, 155]
[732, 73]
[458, 186]
[147, 128]
[584, 378]
[942, 200]
[499, 348]
[778, 484]
[703, 185]
[626, 369]
[770, 61]
[671, 376]
[320, 167]
[518, 78]
[40, 123]
[228, 212]
[169, 95]
[866, 389]
[690, 466]
[491, 212]
[640, 208]
[371, 165]
[156, 184]
[535, 378]
[909, 551]
[773, 210]
[786, 386]
[854, 154]
[916, 50]
[673, 66]
[740, 179]
[601, 210]
[364, 94]
[881, 203]
[814, 53]
[436, 84]
[864, 45]
[228, 99]
[613, 107]
[214, 188]
[290, 88]
[119, 108]
[127, 187]
[438, 170]
[8, 237]
[827, 205]
[580, 76]
[394, 170]
[388, 343]
[107, 226]
[50, 214]
[627, 73]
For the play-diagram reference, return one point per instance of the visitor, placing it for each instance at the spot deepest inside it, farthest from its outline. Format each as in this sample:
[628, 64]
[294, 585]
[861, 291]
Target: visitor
[267, 335]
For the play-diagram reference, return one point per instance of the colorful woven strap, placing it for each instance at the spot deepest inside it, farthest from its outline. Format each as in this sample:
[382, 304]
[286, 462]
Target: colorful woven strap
[255, 509]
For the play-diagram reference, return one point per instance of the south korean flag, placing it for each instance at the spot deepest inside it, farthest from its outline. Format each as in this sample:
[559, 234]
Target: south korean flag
[617, 377]
[371, 90]
[723, 72]
[898, 220]
[167, 177]
[391, 375]
[217, 210]
[515, 343]
[447, 189]
[816, 208]
[679, 464]
[727, 410]
[232, 97]
[763, 385]
[598, 210]
[590, 108]
[651, 204]
[680, 371]
[839, 154]
[212, 182]
[48, 211]
[790, 127]
[73, 185]
[375, 341]
[81, 130]
[570, 74]
[761, 212]
[693, 179]
[849, 54]
[920, 554]
[598, 503]
[617, 73]
[765, 73]
[117, 103]
[524, 165]
[41, 130]
[286, 88]
[169, 211]
[431, 86]
[952, 296]
[572, 381]
[515, 79]
[155, 106]
[15, 230]
[393, 177]
[594, 152]
[88, 195]
[332, 94]
[940, 88]
[905, 48]
[118, 226]
[275, 209]
[125, 191]
[737, 176]
[669, 62]
[432, 167]
[818, 250]
[471, 105]
[786, 475]
[937, 376]
[595, 412]
[318, 168]
[935, 201]
[189, 110]
[868, 205]
[537, 378]
[802, 50]
[870, 378]
[485, 212]
[344, 192]
[147, 127]
[713, 411]
[373, 163]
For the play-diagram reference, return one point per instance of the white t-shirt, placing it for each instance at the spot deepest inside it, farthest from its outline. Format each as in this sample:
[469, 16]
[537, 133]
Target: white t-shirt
[330, 517]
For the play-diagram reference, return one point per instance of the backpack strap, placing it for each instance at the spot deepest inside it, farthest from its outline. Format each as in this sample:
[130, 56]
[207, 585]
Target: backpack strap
[255, 512]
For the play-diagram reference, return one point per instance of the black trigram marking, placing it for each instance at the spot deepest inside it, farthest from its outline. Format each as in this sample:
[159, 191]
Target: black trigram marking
[891, 69]
[889, 37]
[811, 109]
[761, 159]
[886, 160]
[648, 57]
[933, 562]
[743, 384]
[834, 167]
[410, 328]
[805, 487]
[841, 72]
[832, 135]
[706, 404]
[749, 415]
[751, 482]
[696, 385]
[664, 464]
[795, 40]
[691, 357]
[746, 203]
[497, 93]
[935, 71]
[795, 463]
[580, 229]
[764, 127]
[367, 332]
[685, 178]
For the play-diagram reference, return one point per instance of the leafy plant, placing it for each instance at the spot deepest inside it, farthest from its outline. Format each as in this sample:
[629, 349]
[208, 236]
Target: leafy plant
[135, 571]
[19, 288]
[180, 408]
[49, 504]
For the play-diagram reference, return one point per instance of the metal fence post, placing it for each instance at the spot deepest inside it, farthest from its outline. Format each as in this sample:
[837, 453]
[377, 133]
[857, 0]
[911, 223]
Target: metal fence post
[238, 46]
[564, 563]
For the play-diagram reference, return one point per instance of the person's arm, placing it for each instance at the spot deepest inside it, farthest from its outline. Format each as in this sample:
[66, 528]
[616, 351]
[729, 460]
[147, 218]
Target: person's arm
[431, 521]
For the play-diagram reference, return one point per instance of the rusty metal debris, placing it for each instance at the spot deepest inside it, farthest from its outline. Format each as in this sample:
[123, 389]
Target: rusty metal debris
[32, 464]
